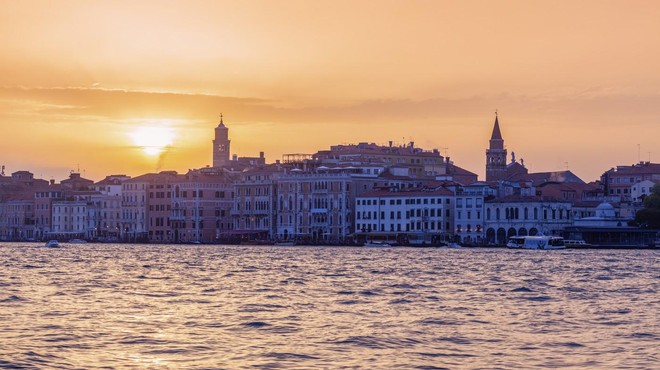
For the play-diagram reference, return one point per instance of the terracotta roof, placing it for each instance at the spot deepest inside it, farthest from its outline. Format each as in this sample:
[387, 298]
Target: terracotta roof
[148, 177]
[637, 169]
[406, 193]
[539, 178]
[525, 199]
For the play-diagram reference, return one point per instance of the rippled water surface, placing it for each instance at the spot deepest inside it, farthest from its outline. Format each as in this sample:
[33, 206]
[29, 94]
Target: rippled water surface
[133, 306]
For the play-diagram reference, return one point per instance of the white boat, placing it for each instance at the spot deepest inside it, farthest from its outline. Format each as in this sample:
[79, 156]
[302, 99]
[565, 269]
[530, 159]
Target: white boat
[52, 244]
[516, 242]
[576, 244]
[377, 243]
[543, 242]
[290, 243]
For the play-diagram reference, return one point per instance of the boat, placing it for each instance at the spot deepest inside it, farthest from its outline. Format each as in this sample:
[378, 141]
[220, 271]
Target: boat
[543, 242]
[377, 243]
[52, 244]
[420, 240]
[289, 243]
[575, 243]
[516, 242]
[77, 241]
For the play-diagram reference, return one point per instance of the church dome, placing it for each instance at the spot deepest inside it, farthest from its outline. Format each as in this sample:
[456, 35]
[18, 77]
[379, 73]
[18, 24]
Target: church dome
[605, 206]
[605, 210]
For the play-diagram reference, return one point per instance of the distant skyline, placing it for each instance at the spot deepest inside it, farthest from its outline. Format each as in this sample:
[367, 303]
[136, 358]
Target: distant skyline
[101, 86]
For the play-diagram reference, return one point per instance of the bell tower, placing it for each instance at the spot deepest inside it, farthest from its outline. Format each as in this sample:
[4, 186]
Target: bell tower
[221, 145]
[496, 155]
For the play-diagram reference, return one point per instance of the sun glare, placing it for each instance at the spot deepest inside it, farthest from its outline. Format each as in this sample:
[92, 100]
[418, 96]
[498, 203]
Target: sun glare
[153, 140]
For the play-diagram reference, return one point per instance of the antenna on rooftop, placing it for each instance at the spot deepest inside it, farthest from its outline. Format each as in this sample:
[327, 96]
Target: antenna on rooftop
[2, 172]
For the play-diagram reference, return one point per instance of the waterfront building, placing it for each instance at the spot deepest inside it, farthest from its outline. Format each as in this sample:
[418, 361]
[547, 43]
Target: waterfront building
[469, 211]
[316, 206]
[108, 202]
[135, 195]
[607, 227]
[253, 212]
[159, 206]
[43, 209]
[517, 215]
[201, 206]
[619, 181]
[416, 216]
[17, 217]
[70, 219]
[17, 205]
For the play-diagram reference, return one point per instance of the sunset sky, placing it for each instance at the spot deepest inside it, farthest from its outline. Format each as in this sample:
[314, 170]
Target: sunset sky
[89, 84]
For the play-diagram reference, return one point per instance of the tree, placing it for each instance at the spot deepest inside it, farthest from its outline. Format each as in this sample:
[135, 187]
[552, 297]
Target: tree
[650, 214]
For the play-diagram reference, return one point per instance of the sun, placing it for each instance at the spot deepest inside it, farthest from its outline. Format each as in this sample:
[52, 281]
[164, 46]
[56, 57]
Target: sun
[153, 140]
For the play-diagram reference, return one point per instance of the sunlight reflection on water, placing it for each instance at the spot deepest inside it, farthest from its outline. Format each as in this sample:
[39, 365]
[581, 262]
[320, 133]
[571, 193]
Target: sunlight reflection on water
[102, 305]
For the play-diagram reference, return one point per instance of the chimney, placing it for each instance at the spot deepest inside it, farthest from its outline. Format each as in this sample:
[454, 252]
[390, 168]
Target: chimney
[261, 154]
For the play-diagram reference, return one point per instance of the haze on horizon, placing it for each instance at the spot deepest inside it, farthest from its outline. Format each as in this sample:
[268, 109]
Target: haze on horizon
[109, 87]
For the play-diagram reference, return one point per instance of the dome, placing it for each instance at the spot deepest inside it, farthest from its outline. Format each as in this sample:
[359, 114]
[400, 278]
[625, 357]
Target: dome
[605, 207]
[605, 210]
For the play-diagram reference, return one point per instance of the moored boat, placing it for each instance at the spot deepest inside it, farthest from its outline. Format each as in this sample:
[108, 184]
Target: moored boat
[572, 243]
[543, 242]
[52, 244]
[289, 243]
[516, 242]
[377, 243]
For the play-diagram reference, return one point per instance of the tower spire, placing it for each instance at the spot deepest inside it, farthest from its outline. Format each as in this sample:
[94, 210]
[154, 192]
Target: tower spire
[496, 154]
[497, 135]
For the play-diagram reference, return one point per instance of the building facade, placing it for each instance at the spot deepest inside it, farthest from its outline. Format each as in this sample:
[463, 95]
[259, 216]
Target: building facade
[416, 217]
[525, 215]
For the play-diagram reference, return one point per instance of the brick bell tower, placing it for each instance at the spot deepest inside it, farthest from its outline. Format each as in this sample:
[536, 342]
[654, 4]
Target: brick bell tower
[221, 145]
[496, 155]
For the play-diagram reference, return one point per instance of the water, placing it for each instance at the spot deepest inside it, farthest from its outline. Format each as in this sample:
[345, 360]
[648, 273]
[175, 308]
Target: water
[195, 307]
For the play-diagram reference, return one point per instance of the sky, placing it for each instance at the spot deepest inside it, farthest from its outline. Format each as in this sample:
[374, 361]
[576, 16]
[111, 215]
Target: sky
[110, 87]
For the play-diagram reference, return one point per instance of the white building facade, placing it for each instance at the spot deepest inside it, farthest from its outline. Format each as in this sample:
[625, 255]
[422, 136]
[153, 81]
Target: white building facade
[424, 215]
[525, 215]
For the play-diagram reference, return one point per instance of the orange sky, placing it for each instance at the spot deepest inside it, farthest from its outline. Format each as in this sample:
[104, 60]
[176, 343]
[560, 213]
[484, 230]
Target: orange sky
[576, 83]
